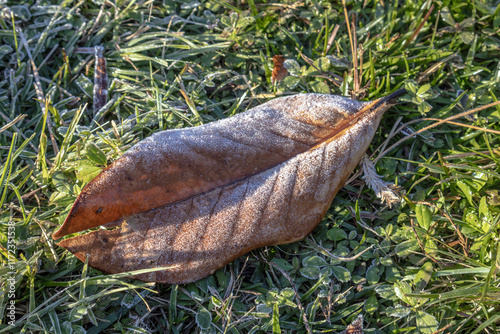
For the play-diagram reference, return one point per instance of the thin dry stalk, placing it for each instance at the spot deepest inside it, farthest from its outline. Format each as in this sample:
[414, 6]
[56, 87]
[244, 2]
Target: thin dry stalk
[439, 122]
[353, 42]
[348, 27]
[426, 17]
[354, 48]
[469, 154]
[443, 329]
[360, 78]
[332, 38]
[435, 67]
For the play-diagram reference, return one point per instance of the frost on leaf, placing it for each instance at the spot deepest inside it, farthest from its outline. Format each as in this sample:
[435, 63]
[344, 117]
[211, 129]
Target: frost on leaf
[195, 199]
[386, 191]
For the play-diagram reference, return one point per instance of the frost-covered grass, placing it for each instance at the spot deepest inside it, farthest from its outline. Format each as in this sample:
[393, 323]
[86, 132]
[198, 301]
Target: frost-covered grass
[434, 258]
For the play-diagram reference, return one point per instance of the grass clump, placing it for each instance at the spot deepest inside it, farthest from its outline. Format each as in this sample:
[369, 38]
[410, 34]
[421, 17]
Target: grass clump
[430, 264]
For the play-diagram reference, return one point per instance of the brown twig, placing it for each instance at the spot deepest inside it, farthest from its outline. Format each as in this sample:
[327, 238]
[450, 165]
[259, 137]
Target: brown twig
[354, 48]
[426, 17]
[331, 39]
[464, 155]
[439, 122]
[434, 67]
[462, 124]
[348, 26]
[443, 329]
[360, 56]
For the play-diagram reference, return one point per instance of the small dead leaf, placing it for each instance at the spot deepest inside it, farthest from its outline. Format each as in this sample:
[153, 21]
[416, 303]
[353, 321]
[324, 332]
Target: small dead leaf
[387, 192]
[100, 80]
[356, 327]
[279, 70]
[195, 199]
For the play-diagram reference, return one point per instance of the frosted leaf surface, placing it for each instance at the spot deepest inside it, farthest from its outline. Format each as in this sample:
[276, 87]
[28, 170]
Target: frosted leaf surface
[176, 164]
[197, 198]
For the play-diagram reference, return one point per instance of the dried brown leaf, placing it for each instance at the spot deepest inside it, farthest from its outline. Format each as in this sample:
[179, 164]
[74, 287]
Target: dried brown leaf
[279, 69]
[356, 327]
[100, 80]
[197, 198]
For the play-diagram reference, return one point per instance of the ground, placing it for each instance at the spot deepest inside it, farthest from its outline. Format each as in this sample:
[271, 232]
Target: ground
[433, 258]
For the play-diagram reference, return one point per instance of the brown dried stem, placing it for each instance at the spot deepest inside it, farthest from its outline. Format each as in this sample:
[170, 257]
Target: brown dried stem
[439, 122]
[426, 17]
